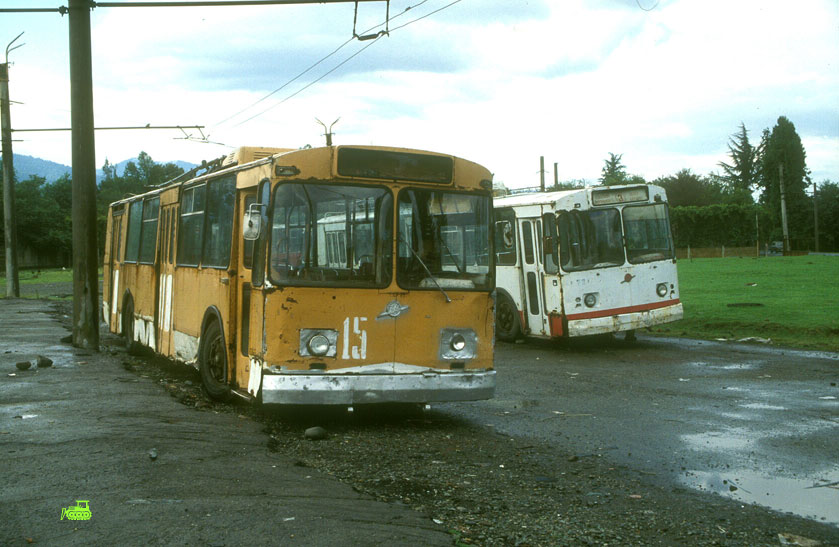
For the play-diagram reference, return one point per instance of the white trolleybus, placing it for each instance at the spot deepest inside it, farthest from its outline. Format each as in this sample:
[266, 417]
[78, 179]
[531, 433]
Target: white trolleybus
[582, 262]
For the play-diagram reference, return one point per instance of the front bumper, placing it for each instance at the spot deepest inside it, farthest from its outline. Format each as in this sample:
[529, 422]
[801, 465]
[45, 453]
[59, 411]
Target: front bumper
[356, 389]
[625, 321]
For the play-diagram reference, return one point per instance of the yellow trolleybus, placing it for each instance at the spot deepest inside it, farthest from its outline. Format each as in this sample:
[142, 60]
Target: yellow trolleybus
[339, 275]
[587, 261]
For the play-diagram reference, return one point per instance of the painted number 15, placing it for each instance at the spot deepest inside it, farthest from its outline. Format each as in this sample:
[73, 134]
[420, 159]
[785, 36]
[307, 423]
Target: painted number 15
[356, 351]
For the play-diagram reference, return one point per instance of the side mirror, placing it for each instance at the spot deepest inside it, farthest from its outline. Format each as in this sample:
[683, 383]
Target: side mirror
[505, 228]
[252, 223]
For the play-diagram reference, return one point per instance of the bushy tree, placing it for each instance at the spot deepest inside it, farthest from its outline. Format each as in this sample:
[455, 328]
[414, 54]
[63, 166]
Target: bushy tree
[741, 175]
[783, 148]
[827, 200]
[614, 171]
[686, 188]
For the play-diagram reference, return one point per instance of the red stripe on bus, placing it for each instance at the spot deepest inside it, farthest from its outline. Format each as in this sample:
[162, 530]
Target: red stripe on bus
[619, 311]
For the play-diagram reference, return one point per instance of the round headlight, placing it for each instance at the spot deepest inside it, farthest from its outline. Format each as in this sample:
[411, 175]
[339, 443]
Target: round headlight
[661, 289]
[318, 344]
[458, 342]
[590, 300]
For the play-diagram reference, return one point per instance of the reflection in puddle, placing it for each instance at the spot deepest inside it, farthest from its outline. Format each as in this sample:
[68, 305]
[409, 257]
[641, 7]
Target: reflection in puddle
[812, 498]
[731, 439]
[763, 406]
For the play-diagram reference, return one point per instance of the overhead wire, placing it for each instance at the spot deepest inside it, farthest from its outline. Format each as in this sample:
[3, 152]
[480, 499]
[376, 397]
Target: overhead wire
[332, 69]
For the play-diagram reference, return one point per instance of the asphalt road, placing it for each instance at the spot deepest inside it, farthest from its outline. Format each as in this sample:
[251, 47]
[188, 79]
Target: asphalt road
[751, 422]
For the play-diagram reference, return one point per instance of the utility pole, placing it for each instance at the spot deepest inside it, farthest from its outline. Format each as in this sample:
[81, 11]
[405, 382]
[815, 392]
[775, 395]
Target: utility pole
[542, 173]
[815, 217]
[556, 176]
[85, 253]
[9, 224]
[783, 208]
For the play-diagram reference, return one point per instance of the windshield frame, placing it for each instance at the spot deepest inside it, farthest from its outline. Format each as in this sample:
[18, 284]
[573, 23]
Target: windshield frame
[426, 251]
[565, 254]
[634, 257]
[310, 272]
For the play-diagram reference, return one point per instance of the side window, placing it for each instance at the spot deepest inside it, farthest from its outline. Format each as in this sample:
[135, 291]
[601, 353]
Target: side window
[218, 223]
[527, 233]
[174, 212]
[505, 237]
[148, 239]
[550, 242]
[258, 273]
[135, 225]
[191, 227]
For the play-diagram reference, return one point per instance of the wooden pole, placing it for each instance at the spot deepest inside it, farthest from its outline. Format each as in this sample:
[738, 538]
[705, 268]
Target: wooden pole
[9, 225]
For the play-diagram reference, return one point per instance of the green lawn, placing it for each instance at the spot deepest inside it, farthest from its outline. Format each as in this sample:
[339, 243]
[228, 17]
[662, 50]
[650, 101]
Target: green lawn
[794, 301]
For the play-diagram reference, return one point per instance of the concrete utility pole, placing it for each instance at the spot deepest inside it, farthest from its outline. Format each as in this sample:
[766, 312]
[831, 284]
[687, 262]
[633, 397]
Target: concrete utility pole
[9, 224]
[85, 254]
[783, 208]
[556, 175]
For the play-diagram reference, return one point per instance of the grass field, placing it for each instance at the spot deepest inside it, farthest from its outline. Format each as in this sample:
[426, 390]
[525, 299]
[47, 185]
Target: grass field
[794, 301]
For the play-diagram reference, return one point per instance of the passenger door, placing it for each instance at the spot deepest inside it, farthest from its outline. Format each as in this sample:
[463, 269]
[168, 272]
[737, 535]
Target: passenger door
[166, 269]
[531, 275]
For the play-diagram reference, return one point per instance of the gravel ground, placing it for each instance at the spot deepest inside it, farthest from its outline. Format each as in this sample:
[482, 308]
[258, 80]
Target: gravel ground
[492, 489]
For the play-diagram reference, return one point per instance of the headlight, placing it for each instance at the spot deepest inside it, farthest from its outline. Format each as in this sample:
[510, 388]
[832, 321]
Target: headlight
[318, 344]
[458, 342]
[590, 299]
[661, 289]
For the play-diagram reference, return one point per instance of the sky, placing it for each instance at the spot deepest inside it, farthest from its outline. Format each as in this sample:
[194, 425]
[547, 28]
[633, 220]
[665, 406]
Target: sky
[665, 83]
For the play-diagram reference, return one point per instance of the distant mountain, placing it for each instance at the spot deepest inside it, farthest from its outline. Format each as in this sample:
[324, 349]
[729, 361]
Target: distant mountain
[26, 166]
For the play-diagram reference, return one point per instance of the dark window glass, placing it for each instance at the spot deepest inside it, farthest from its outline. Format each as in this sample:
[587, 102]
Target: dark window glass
[527, 234]
[173, 212]
[191, 229]
[444, 240]
[219, 222]
[258, 273]
[135, 225]
[324, 234]
[151, 209]
[647, 233]
[505, 236]
[391, 165]
[590, 239]
[549, 237]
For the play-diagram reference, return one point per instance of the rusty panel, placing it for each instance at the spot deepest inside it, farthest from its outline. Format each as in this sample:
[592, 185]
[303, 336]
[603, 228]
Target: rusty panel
[418, 331]
[363, 339]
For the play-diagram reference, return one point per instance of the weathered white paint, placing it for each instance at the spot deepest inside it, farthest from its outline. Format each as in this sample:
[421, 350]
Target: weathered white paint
[144, 331]
[255, 376]
[186, 347]
[115, 294]
[354, 350]
[625, 321]
[167, 315]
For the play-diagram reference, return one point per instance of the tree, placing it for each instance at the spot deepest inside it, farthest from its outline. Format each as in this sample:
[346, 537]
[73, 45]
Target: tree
[613, 172]
[783, 147]
[741, 175]
[827, 200]
[689, 189]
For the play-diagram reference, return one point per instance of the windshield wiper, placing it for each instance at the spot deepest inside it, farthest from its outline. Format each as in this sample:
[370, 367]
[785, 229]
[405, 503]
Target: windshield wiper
[434, 279]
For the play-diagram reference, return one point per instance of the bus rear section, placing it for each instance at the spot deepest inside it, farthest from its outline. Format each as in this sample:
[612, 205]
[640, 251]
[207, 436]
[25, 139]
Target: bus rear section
[584, 262]
[337, 275]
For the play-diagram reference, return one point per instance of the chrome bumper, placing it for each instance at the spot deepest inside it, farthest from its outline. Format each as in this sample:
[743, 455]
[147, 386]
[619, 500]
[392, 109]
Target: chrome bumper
[356, 389]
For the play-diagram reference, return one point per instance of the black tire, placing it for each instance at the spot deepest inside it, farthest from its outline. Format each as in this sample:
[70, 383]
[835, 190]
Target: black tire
[507, 323]
[212, 363]
[131, 346]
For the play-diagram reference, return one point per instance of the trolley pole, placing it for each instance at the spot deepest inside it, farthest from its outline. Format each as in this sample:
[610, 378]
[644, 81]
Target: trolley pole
[9, 228]
[85, 253]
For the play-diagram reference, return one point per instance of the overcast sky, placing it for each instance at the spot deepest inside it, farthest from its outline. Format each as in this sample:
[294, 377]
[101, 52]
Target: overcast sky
[499, 82]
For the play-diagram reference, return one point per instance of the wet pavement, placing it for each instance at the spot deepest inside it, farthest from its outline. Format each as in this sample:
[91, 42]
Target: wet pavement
[754, 423]
[153, 470]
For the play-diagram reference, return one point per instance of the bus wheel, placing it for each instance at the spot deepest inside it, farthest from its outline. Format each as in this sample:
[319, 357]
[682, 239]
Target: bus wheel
[507, 325]
[131, 346]
[212, 362]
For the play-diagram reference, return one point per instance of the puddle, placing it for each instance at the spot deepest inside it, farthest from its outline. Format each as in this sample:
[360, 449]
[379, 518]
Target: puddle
[763, 406]
[731, 439]
[815, 498]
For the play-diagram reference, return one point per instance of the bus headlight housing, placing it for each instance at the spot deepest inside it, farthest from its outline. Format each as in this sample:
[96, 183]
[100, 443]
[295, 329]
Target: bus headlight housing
[590, 299]
[661, 289]
[458, 344]
[318, 343]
